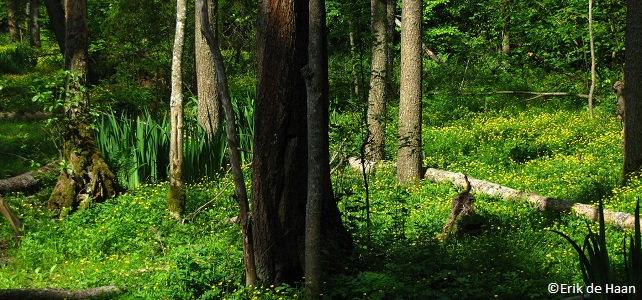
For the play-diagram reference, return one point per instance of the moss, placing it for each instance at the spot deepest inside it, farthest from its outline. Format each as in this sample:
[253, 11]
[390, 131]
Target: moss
[176, 195]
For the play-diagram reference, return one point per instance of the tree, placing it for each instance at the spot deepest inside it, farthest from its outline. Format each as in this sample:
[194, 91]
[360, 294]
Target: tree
[378, 94]
[12, 20]
[57, 21]
[206, 83]
[280, 162]
[409, 151]
[34, 28]
[316, 80]
[633, 90]
[176, 193]
[592, 43]
[85, 176]
[233, 145]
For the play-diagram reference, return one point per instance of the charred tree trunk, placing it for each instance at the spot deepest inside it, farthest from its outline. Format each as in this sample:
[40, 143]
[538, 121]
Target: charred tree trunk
[176, 194]
[206, 83]
[280, 164]
[86, 177]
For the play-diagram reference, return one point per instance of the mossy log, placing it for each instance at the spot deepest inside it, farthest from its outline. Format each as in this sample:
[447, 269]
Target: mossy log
[55, 294]
[620, 219]
[27, 182]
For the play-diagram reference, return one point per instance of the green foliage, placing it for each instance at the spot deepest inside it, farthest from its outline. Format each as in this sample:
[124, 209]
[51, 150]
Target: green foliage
[23, 147]
[17, 58]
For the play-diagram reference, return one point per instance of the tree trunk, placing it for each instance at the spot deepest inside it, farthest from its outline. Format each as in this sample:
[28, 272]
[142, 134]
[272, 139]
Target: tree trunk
[280, 164]
[57, 22]
[506, 28]
[633, 90]
[620, 219]
[316, 79]
[206, 83]
[34, 28]
[233, 145]
[86, 177]
[12, 16]
[592, 42]
[58, 294]
[409, 152]
[176, 194]
[377, 96]
[425, 51]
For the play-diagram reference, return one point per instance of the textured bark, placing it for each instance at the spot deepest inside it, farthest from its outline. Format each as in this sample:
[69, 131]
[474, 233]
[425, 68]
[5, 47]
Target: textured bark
[206, 83]
[233, 145]
[620, 219]
[506, 28]
[633, 90]
[34, 28]
[12, 16]
[409, 152]
[316, 79]
[378, 94]
[27, 182]
[58, 294]
[176, 194]
[592, 43]
[86, 177]
[280, 164]
[57, 22]
[425, 51]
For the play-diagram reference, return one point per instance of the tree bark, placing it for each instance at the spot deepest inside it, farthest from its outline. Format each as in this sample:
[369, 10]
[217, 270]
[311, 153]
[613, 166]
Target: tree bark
[233, 145]
[11, 217]
[632, 90]
[280, 163]
[506, 28]
[86, 177]
[206, 83]
[620, 219]
[34, 28]
[316, 79]
[58, 294]
[27, 182]
[12, 16]
[409, 153]
[592, 43]
[176, 194]
[425, 51]
[57, 22]
[378, 94]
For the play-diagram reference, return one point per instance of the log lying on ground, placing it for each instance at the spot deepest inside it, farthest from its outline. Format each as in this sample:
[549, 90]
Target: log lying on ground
[620, 219]
[28, 181]
[28, 116]
[55, 294]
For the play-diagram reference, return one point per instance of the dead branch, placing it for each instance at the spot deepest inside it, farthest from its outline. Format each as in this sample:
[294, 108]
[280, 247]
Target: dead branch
[55, 294]
[619, 219]
[11, 216]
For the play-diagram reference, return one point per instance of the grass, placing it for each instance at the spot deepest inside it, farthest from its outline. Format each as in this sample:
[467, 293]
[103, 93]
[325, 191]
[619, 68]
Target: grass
[131, 242]
[24, 146]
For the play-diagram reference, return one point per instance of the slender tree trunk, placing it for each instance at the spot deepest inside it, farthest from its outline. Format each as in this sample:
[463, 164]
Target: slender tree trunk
[391, 15]
[409, 152]
[34, 28]
[206, 83]
[506, 28]
[280, 163]
[12, 16]
[233, 144]
[57, 22]
[86, 177]
[592, 42]
[633, 90]
[316, 77]
[353, 60]
[176, 193]
[377, 96]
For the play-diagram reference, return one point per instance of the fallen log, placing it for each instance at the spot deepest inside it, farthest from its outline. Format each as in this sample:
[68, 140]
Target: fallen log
[536, 94]
[619, 219]
[28, 181]
[55, 294]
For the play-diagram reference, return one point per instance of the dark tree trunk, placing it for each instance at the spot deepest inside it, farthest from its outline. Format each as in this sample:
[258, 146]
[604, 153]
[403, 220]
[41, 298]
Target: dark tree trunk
[206, 84]
[409, 152]
[86, 177]
[280, 164]
[12, 16]
[632, 89]
[57, 21]
[34, 28]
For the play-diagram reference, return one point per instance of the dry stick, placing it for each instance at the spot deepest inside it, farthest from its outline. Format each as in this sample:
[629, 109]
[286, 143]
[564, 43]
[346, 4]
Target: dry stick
[619, 219]
[233, 148]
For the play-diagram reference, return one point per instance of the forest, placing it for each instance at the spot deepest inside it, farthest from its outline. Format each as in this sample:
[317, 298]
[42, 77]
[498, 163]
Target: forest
[320, 149]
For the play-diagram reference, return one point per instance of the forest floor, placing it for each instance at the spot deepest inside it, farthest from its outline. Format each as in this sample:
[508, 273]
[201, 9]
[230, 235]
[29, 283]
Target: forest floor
[130, 241]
